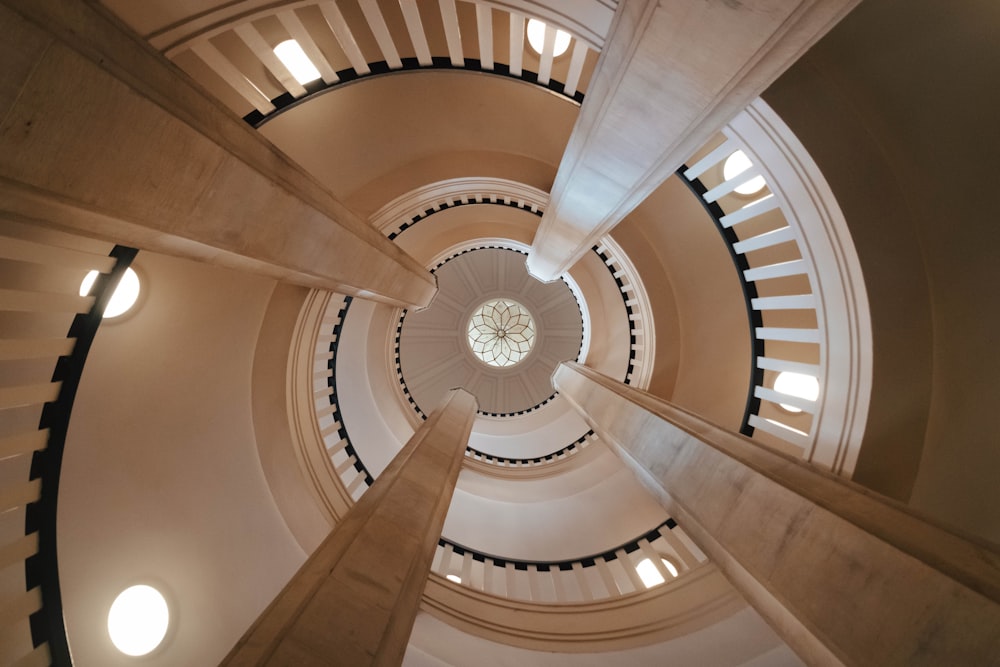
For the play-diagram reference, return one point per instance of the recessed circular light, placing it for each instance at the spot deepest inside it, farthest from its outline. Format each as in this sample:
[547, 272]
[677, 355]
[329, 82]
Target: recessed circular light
[125, 296]
[501, 332]
[138, 620]
[796, 384]
[650, 574]
[735, 165]
[454, 578]
[536, 38]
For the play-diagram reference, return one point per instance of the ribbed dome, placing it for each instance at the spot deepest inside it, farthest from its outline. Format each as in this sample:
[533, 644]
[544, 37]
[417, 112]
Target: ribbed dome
[436, 350]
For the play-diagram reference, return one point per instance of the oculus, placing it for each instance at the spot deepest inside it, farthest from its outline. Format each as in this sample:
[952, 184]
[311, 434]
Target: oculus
[501, 332]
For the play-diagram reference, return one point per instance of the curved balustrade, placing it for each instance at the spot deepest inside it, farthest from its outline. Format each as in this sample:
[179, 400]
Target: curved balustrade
[46, 331]
[349, 468]
[716, 213]
[613, 573]
[794, 291]
[346, 462]
[768, 228]
[413, 208]
[534, 463]
[238, 49]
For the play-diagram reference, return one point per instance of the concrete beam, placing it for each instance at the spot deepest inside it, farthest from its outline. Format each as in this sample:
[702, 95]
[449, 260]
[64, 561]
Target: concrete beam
[843, 575]
[354, 601]
[101, 134]
[671, 74]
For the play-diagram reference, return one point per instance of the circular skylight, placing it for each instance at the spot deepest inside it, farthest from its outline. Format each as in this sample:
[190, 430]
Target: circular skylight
[125, 296]
[501, 332]
[138, 620]
[735, 165]
[796, 384]
[536, 38]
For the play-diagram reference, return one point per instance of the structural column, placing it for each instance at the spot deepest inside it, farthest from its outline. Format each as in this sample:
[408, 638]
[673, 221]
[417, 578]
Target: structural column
[672, 73]
[101, 134]
[354, 601]
[843, 575]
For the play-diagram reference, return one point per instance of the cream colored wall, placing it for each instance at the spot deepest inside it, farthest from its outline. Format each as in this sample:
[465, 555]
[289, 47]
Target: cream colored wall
[898, 107]
[702, 333]
[377, 139]
[161, 480]
[742, 639]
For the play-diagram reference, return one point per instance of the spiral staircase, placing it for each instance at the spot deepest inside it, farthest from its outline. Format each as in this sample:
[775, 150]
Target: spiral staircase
[269, 409]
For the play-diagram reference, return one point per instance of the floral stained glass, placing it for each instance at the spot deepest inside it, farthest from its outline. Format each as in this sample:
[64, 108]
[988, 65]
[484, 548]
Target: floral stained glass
[501, 332]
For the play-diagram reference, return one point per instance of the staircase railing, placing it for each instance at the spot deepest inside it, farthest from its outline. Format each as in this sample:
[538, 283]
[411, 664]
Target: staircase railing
[805, 295]
[46, 331]
[609, 574]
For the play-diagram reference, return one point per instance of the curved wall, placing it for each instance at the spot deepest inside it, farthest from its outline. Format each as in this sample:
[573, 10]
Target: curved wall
[377, 139]
[161, 482]
[741, 639]
[891, 105]
[703, 337]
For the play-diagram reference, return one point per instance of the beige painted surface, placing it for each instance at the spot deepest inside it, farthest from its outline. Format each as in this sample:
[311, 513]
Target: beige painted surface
[671, 74]
[207, 185]
[702, 331]
[892, 107]
[274, 424]
[161, 482]
[694, 602]
[402, 132]
[354, 601]
[844, 576]
[741, 639]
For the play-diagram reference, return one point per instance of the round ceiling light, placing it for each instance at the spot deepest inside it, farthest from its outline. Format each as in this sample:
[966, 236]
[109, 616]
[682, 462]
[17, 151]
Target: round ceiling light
[536, 38]
[735, 165]
[501, 332]
[138, 620]
[650, 574]
[125, 296]
[796, 384]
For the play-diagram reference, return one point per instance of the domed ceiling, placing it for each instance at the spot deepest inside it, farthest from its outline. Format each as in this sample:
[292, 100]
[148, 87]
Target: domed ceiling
[492, 329]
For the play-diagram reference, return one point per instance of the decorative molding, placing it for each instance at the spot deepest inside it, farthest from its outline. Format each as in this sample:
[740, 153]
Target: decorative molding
[441, 260]
[412, 207]
[588, 21]
[693, 602]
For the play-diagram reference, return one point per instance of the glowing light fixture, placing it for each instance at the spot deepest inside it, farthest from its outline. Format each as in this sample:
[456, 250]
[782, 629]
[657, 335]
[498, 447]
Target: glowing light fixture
[453, 577]
[125, 296]
[650, 575]
[536, 38]
[796, 384]
[295, 59]
[501, 332]
[138, 620]
[735, 165]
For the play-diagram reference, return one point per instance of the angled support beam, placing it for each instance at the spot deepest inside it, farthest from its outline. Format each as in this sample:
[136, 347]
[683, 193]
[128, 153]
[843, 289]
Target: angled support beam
[354, 601]
[672, 73]
[101, 134]
[843, 575]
